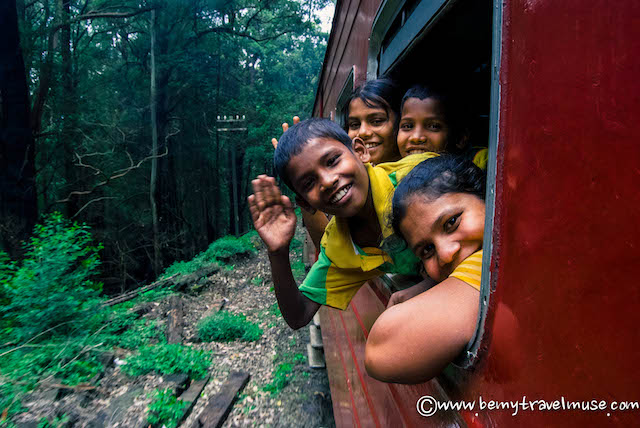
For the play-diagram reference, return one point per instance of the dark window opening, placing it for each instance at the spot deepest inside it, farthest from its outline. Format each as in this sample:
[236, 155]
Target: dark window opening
[448, 45]
[455, 56]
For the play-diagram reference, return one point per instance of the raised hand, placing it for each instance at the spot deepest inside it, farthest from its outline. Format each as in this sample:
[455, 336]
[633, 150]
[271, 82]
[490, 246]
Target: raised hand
[272, 214]
[285, 126]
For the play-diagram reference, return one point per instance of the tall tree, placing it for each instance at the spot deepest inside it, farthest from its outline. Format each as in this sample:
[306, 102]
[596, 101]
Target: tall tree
[18, 204]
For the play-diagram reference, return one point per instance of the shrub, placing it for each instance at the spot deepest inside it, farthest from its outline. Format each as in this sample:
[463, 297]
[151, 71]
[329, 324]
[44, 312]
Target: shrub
[125, 331]
[224, 326]
[229, 246]
[53, 287]
[281, 377]
[220, 251]
[165, 409]
[168, 359]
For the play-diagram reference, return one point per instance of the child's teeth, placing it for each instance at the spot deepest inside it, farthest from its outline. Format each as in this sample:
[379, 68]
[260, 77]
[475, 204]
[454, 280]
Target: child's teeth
[340, 195]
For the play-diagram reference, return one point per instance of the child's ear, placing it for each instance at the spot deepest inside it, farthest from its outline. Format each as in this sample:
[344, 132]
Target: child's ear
[361, 150]
[463, 142]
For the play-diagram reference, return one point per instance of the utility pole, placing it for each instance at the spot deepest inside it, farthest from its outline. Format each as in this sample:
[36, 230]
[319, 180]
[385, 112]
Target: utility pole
[235, 123]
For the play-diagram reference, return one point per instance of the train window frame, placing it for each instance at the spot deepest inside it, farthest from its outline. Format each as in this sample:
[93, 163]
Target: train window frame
[389, 12]
[344, 96]
[385, 50]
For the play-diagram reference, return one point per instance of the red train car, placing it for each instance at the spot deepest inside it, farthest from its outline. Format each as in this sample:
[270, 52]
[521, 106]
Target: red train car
[554, 87]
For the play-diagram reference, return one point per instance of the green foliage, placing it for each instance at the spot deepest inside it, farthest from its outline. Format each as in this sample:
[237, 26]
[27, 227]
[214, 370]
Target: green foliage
[256, 280]
[71, 361]
[298, 269]
[275, 310]
[10, 395]
[125, 331]
[58, 421]
[229, 247]
[165, 409]
[224, 326]
[168, 359]
[52, 290]
[220, 251]
[283, 372]
[282, 375]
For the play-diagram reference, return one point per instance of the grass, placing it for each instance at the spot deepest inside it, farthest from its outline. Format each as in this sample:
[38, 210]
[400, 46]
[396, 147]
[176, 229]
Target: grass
[283, 372]
[220, 252]
[168, 359]
[224, 326]
[165, 409]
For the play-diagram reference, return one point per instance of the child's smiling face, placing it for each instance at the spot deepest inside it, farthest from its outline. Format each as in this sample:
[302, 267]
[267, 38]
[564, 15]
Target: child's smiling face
[443, 232]
[376, 128]
[423, 127]
[330, 177]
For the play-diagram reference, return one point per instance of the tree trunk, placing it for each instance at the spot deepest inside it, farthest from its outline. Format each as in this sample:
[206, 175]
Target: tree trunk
[18, 203]
[67, 109]
[154, 151]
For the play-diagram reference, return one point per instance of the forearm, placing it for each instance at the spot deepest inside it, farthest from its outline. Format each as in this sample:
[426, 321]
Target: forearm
[413, 341]
[296, 308]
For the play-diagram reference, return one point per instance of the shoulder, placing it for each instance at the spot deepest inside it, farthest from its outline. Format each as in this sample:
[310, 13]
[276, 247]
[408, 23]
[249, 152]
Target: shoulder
[397, 170]
[481, 157]
[470, 270]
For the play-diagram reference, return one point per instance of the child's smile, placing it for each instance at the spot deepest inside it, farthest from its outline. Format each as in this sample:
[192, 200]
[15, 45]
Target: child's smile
[445, 231]
[330, 177]
[422, 127]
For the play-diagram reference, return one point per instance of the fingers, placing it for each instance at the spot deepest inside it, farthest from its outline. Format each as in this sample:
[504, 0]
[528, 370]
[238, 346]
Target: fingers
[253, 209]
[286, 202]
[265, 192]
[285, 127]
[271, 191]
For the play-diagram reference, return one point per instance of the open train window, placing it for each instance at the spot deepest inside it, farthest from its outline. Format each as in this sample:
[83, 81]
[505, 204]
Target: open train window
[451, 44]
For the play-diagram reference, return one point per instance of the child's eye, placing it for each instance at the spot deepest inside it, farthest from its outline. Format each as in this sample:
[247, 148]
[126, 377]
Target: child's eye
[435, 126]
[406, 126]
[333, 160]
[378, 121]
[427, 251]
[452, 223]
[307, 184]
[353, 125]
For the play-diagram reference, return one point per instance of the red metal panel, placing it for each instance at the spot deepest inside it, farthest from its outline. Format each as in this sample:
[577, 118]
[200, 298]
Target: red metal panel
[358, 398]
[563, 317]
[564, 321]
[348, 46]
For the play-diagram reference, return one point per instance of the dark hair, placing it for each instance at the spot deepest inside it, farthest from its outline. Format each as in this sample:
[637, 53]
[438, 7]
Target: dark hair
[293, 141]
[382, 93]
[453, 112]
[435, 177]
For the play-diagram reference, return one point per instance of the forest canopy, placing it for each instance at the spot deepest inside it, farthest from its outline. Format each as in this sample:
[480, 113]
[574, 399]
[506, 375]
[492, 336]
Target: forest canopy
[137, 115]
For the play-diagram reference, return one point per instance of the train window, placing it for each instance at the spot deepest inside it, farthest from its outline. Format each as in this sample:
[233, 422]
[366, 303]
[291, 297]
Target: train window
[450, 44]
[343, 97]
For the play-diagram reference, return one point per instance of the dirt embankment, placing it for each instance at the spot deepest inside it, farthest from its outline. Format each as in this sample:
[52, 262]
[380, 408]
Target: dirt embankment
[282, 391]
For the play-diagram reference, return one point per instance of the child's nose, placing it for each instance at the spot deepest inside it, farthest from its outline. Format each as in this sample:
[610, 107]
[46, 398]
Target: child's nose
[418, 136]
[364, 131]
[328, 181]
[447, 252]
